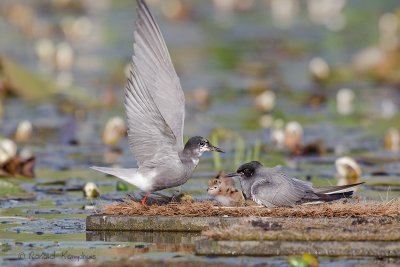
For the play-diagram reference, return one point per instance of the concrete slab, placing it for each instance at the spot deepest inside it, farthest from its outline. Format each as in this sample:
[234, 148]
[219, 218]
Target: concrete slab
[280, 248]
[256, 236]
[157, 223]
[159, 237]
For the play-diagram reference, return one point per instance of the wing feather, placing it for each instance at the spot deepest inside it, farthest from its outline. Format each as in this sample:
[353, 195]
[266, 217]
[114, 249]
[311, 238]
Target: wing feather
[154, 65]
[147, 130]
[154, 100]
[276, 189]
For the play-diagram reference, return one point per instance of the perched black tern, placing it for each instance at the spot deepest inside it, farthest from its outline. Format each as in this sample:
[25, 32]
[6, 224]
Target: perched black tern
[155, 111]
[272, 188]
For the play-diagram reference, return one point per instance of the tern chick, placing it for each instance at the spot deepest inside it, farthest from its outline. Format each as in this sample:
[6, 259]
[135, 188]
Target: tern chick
[155, 111]
[221, 178]
[226, 196]
[272, 188]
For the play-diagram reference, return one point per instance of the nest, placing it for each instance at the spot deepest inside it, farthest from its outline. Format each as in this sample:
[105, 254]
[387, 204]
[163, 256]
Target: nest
[208, 209]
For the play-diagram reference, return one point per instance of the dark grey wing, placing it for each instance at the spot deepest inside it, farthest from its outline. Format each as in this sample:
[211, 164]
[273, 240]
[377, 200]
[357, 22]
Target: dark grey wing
[149, 134]
[154, 65]
[276, 189]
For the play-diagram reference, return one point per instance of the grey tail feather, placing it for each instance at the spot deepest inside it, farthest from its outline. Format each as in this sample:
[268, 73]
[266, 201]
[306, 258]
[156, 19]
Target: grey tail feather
[118, 172]
[333, 189]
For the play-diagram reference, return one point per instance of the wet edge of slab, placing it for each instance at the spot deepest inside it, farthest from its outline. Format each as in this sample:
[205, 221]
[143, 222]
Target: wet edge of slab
[103, 222]
[280, 248]
[157, 223]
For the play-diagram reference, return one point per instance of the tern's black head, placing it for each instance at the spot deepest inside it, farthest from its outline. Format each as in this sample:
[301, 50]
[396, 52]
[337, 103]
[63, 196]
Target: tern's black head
[248, 169]
[198, 144]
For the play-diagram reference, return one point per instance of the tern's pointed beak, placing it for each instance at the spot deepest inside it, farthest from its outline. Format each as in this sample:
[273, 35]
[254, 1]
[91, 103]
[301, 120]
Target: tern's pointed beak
[233, 174]
[214, 148]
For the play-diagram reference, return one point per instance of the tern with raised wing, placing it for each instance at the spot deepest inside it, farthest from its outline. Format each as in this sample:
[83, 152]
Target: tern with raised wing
[155, 111]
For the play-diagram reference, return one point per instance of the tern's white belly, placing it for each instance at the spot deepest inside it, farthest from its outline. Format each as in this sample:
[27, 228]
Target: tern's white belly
[144, 182]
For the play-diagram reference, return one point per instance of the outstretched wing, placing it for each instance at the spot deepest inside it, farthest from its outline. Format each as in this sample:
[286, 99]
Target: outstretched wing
[148, 133]
[276, 189]
[155, 68]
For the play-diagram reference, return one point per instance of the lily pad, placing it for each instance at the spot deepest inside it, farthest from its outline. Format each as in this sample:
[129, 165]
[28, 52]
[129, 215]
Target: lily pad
[34, 88]
[11, 191]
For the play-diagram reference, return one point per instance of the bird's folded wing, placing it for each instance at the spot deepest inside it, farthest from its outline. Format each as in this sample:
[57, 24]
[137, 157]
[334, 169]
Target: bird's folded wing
[148, 133]
[154, 65]
[335, 188]
[278, 189]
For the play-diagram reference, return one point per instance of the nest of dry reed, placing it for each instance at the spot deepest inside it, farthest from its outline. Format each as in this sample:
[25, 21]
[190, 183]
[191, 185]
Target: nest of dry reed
[208, 209]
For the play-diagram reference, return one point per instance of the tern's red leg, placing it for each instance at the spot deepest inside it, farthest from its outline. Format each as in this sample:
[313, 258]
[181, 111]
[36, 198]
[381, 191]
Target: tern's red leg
[144, 199]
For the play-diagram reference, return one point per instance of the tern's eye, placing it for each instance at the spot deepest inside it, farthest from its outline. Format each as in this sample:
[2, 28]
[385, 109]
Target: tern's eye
[202, 143]
[247, 172]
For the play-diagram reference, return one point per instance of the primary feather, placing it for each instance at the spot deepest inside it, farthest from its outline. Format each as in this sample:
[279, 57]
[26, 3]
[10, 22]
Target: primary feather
[154, 65]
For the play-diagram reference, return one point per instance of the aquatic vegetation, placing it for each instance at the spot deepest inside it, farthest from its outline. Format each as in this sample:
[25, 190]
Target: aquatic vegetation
[265, 101]
[114, 130]
[344, 101]
[348, 170]
[319, 70]
[22, 82]
[307, 260]
[392, 140]
[201, 97]
[15, 163]
[23, 133]
[216, 156]
[90, 190]
[293, 135]
[241, 153]
[120, 186]
[240, 149]
[8, 150]
[227, 56]
[9, 189]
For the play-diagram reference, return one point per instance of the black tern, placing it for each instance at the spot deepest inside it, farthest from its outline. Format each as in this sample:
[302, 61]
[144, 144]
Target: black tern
[155, 111]
[272, 188]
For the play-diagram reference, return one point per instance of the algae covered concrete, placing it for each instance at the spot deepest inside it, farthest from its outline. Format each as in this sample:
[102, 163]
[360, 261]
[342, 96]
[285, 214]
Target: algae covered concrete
[352, 236]
[310, 229]
[256, 236]
[159, 237]
[279, 248]
[222, 225]
[157, 223]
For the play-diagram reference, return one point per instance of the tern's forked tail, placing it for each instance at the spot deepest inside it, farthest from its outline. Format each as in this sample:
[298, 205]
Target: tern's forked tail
[128, 175]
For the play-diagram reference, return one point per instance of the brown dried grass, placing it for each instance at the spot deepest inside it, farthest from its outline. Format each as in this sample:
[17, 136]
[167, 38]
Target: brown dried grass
[207, 209]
